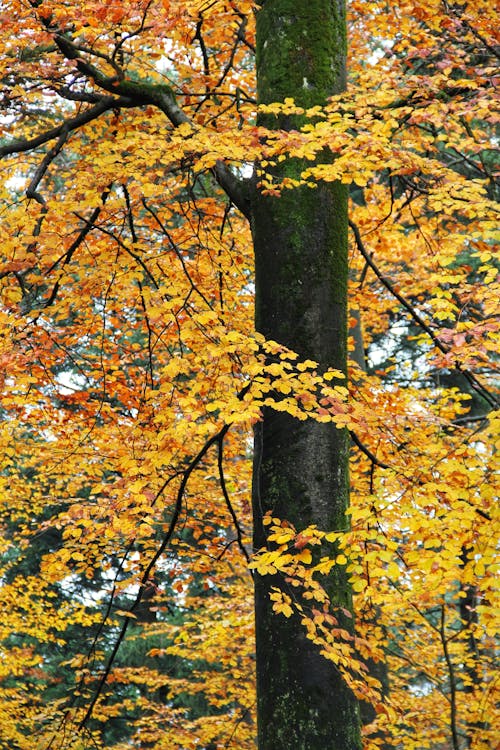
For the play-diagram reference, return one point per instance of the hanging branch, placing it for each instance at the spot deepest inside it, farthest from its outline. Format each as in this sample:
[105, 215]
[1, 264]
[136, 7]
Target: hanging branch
[150, 568]
[473, 381]
[32, 190]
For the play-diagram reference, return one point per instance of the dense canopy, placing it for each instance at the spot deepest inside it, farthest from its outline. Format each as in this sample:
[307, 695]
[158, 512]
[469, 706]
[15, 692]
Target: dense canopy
[131, 372]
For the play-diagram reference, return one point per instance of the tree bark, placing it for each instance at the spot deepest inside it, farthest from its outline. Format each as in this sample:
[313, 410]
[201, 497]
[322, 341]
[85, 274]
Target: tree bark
[301, 468]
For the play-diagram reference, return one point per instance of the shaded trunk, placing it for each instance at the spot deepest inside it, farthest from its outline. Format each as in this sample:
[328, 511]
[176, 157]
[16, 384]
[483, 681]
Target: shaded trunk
[468, 603]
[301, 468]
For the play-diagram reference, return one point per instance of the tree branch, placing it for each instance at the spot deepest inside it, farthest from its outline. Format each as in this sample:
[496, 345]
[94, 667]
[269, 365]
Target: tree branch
[363, 448]
[73, 123]
[49, 157]
[142, 93]
[89, 225]
[127, 93]
[150, 567]
[222, 479]
[473, 381]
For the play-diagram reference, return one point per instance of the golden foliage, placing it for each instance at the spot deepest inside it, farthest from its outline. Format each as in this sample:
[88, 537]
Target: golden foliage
[131, 373]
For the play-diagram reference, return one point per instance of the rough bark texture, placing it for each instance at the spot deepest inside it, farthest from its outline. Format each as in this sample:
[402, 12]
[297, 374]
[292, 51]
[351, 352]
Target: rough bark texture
[301, 468]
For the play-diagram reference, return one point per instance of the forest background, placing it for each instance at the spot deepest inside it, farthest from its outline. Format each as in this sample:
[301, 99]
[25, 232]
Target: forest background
[132, 374]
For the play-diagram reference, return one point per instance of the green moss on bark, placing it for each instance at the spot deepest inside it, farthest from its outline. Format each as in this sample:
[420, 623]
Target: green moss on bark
[301, 468]
[301, 50]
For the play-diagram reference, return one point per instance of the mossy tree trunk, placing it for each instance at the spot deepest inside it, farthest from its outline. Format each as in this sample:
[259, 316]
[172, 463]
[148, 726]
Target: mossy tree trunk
[301, 468]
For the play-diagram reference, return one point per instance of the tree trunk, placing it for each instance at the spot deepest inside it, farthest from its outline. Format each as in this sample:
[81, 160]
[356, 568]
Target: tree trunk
[301, 468]
[468, 603]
